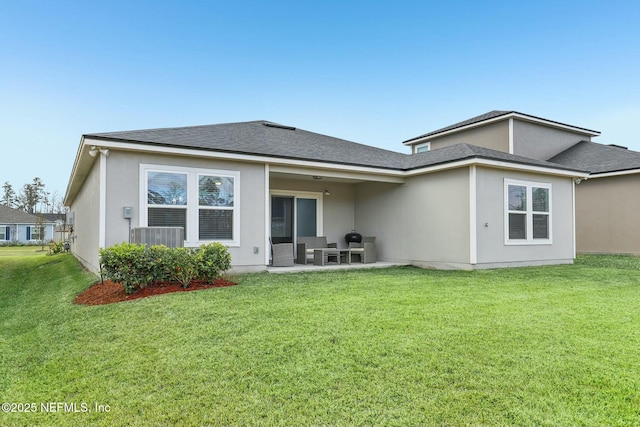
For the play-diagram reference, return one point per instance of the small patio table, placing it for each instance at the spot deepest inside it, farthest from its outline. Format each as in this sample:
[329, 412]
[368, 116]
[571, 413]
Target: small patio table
[322, 254]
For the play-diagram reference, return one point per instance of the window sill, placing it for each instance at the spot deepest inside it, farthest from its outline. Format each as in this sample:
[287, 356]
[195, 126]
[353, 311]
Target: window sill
[540, 242]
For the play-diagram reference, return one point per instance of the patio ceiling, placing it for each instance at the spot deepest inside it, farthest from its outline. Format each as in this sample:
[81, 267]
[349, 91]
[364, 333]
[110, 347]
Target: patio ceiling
[317, 175]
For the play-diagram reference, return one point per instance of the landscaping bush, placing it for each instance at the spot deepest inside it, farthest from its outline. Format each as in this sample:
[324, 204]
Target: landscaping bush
[212, 260]
[183, 266]
[126, 264]
[56, 248]
[135, 266]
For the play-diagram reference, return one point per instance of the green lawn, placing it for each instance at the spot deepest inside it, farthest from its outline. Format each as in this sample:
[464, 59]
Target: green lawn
[402, 346]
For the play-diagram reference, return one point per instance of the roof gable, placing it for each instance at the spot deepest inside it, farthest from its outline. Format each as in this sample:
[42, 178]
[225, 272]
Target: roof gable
[497, 115]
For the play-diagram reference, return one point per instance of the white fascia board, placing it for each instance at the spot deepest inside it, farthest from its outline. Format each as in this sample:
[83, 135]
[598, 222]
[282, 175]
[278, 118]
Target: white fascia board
[519, 116]
[619, 173]
[499, 165]
[74, 171]
[558, 125]
[307, 167]
[276, 164]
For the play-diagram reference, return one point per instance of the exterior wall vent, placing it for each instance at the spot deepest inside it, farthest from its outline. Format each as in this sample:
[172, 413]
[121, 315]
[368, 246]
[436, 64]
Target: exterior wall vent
[172, 237]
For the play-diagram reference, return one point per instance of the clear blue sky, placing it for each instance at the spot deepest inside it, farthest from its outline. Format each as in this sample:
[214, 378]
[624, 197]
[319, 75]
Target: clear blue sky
[372, 72]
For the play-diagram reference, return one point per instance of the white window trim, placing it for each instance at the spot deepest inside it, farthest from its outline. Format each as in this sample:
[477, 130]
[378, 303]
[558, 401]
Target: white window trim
[529, 213]
[422, 145]
[32, 228]
[193, 205]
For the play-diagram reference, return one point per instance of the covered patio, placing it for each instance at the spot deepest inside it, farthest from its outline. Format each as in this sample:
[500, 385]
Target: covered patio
[303, 203]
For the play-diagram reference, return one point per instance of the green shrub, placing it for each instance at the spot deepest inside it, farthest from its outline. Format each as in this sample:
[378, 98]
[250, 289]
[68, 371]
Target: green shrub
[157, 259]
[56, 248]
[125, 263]
[135, 266]
[212, 260]
[182, 266]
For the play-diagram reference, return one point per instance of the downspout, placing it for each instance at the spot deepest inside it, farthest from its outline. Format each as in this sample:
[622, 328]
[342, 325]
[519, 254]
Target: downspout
[267, 215]
[576, 181]
[102, 208]
[473, 236]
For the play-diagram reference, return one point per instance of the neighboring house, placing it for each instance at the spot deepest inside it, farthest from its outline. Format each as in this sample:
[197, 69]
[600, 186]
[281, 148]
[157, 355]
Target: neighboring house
[20, 227]
[458, 204]
[607, 203]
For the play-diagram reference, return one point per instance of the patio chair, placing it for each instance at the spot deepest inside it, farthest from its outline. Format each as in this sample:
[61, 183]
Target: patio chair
[281, 254]
[366, 250]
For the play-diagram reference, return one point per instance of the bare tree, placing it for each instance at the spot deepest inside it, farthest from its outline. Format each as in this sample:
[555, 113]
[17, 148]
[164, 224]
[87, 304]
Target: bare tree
[55, 204]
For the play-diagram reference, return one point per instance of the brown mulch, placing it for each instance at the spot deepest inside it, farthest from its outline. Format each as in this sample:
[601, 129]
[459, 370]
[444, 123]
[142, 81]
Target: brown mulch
[111, 292]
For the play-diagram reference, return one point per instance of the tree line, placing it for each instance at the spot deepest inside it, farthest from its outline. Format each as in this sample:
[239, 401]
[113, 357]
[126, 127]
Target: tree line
[31, 198]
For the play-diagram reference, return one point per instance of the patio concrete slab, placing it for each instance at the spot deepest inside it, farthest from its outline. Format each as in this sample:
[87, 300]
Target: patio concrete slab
[301, 268]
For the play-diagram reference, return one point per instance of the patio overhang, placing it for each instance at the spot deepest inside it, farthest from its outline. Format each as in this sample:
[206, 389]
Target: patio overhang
[352, 176]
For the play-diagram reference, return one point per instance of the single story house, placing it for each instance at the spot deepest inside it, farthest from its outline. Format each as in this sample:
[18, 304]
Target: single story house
[17, 226]
[479, 194]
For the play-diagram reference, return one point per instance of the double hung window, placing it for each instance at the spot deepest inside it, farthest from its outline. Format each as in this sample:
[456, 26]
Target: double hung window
[527, 212]
[33, 232]
[202, 201]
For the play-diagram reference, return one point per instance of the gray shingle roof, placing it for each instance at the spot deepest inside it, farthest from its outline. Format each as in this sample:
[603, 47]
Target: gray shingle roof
[264, 138]
[460, 152]
[598, 158]
[273, 140]
[14, 216]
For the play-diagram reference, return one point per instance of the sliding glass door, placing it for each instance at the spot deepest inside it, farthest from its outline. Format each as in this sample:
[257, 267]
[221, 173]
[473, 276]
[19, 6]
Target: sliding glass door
[295, 215]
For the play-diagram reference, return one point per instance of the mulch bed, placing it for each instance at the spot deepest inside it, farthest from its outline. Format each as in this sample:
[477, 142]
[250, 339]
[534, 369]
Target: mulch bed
[111, 292]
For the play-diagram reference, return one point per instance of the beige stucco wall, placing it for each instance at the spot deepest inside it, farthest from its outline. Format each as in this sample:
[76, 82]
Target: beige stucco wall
[542, 142]
[607, 215]
[494, 136]
[123, 189]
[424, 222]
[85, 208]
[490, 221]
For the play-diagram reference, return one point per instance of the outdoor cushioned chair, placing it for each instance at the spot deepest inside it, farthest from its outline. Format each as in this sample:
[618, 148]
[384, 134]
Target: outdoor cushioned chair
[281, 254]
[306, 246]
[365, 250]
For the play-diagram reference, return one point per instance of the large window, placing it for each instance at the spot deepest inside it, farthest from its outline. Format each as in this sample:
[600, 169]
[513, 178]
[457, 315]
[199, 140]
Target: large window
[4, 231]
[167, 199]
[527, 212]
[202, 201]
[215, 211]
